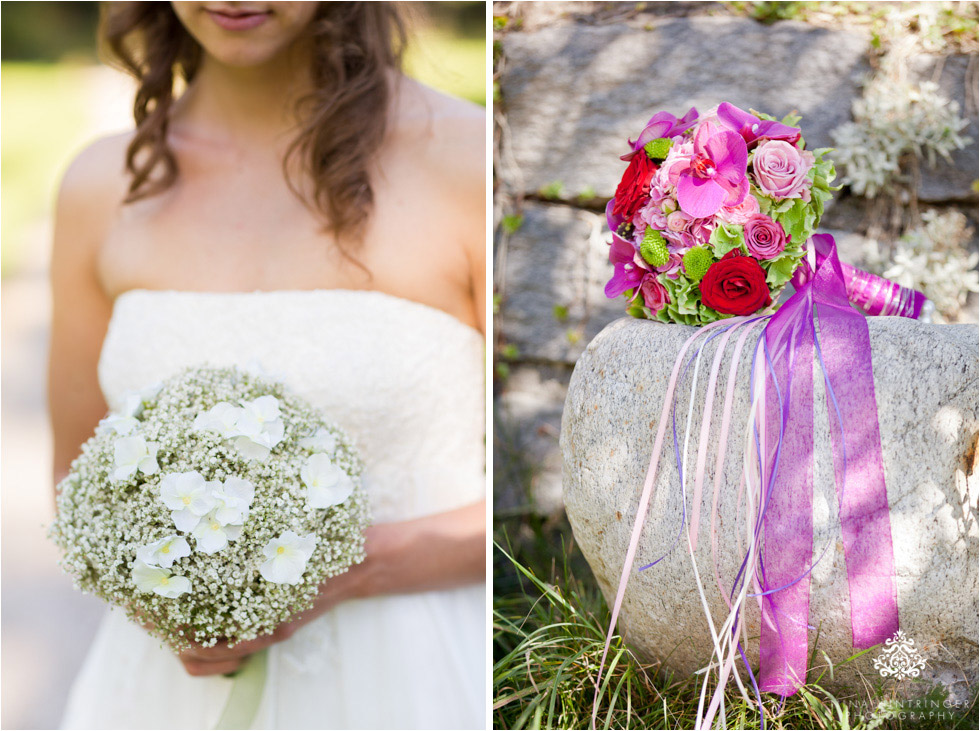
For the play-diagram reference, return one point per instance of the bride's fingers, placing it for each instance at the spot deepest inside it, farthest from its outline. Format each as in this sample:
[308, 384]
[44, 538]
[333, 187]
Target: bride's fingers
[222, 651]
[202, 668]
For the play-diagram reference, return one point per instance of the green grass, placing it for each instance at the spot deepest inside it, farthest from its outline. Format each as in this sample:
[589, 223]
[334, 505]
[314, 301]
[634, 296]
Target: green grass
[550, 622]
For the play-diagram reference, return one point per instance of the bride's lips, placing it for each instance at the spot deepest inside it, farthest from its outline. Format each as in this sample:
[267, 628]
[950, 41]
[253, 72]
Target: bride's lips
[238, 19]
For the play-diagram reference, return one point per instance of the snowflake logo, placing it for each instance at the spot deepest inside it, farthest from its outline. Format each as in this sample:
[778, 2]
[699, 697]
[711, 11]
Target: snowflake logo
[899, 659]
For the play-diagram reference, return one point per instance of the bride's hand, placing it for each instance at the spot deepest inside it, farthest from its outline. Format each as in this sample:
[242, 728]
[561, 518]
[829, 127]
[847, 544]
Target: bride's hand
[220, 659]
[434, 552]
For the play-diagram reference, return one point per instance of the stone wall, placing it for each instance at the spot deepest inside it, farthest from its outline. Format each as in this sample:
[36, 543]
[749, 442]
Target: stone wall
[575, 80]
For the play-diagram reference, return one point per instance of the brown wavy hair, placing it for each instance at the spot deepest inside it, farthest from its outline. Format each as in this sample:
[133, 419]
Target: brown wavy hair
[342, 122]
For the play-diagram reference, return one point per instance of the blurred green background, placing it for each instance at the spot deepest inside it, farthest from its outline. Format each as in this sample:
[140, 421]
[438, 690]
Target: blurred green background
[56, 96]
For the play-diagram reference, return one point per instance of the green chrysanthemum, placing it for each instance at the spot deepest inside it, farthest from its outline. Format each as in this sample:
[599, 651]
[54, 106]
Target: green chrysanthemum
[654, 248]
[657, 149]
[696, 262]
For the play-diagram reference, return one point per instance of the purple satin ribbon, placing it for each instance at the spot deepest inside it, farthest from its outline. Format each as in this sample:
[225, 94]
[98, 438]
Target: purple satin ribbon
[844, 353]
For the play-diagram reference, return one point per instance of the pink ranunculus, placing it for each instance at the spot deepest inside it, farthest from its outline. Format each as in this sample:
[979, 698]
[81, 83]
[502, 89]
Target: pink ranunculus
[764, 238]
[780, 169]
[672, 268]
[654, 294]
[684, 231]
[741, 213]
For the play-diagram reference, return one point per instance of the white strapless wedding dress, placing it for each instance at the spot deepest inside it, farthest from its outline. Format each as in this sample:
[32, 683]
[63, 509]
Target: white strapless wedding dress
[407, 382]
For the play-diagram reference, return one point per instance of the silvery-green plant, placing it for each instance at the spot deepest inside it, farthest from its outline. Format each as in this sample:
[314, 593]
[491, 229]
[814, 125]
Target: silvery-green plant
[933, 259]
[212, 507]
[894, 117]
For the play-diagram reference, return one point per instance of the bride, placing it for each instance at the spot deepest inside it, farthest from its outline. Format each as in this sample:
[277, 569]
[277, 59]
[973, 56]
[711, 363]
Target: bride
[290, 201]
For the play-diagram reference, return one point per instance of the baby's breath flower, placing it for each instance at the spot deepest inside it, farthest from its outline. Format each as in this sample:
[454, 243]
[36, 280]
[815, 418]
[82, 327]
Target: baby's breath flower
[204, 581]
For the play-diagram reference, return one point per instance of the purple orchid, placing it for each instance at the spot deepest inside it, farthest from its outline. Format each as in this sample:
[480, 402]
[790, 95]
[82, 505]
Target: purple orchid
[752, 129]
[715, 176]
[627, 274]
[662, 124]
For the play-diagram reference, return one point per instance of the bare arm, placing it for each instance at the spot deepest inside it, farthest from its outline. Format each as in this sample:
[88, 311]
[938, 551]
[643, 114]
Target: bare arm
[434, 552]
[80, 308]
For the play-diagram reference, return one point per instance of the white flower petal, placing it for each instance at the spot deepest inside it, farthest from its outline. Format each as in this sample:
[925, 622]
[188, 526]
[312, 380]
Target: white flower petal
[147, 578]
[321, 441]
[123, 473]
[250, 449]
[185, 520]
[129, 450]
[283, 569]
[173, 587]
[120, 424]
[164, 552]
[327, 484]
[241, 490]
[211, 535]
[265, 407]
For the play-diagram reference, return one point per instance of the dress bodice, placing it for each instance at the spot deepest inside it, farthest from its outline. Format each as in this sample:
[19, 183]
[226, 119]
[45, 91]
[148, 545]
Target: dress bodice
[404, 379]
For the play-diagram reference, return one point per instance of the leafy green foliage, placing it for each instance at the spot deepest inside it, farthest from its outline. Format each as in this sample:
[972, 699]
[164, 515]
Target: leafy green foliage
[512, 222]
[552, 191]
[725, 238]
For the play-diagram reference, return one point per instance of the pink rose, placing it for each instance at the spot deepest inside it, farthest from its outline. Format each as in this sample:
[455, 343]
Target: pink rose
[654, 293]
[780, 169]
[741, 213]
[764, 238]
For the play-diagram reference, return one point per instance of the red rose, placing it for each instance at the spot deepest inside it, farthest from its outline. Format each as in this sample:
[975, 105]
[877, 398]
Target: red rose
[634, 188]
[736, 285]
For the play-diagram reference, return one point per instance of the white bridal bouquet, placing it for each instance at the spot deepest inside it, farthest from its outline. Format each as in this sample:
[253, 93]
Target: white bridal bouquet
[212, 507]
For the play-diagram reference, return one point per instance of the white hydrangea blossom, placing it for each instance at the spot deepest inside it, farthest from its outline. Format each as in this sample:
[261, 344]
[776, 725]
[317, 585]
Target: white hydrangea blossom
[164, 552]
[188, 496]
[322, 441]
[132, 455]
[159, 581]
[255, 427]
[183, 542]
[120, 424]
[286, 557]
[327, 484]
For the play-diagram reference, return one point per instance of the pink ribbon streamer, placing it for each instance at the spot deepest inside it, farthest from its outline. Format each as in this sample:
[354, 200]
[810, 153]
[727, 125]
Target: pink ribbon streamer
[844, 351]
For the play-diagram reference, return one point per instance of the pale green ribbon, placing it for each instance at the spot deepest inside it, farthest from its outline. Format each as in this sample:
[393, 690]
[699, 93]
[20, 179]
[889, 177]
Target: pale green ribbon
[246, 693]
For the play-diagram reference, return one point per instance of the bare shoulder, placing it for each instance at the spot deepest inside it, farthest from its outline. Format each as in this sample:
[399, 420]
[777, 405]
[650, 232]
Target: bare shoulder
[95, 181]
[89, 197]
[454, 129]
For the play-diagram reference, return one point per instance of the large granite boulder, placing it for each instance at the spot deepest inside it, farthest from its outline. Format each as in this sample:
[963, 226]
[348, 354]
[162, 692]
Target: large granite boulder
[927, 394]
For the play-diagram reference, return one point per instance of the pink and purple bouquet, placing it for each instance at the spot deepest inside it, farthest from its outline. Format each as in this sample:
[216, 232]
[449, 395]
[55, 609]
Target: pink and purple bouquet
[712, 214]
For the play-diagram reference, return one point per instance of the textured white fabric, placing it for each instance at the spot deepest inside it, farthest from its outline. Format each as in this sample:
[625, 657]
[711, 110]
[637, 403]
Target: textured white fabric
[407, 382]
